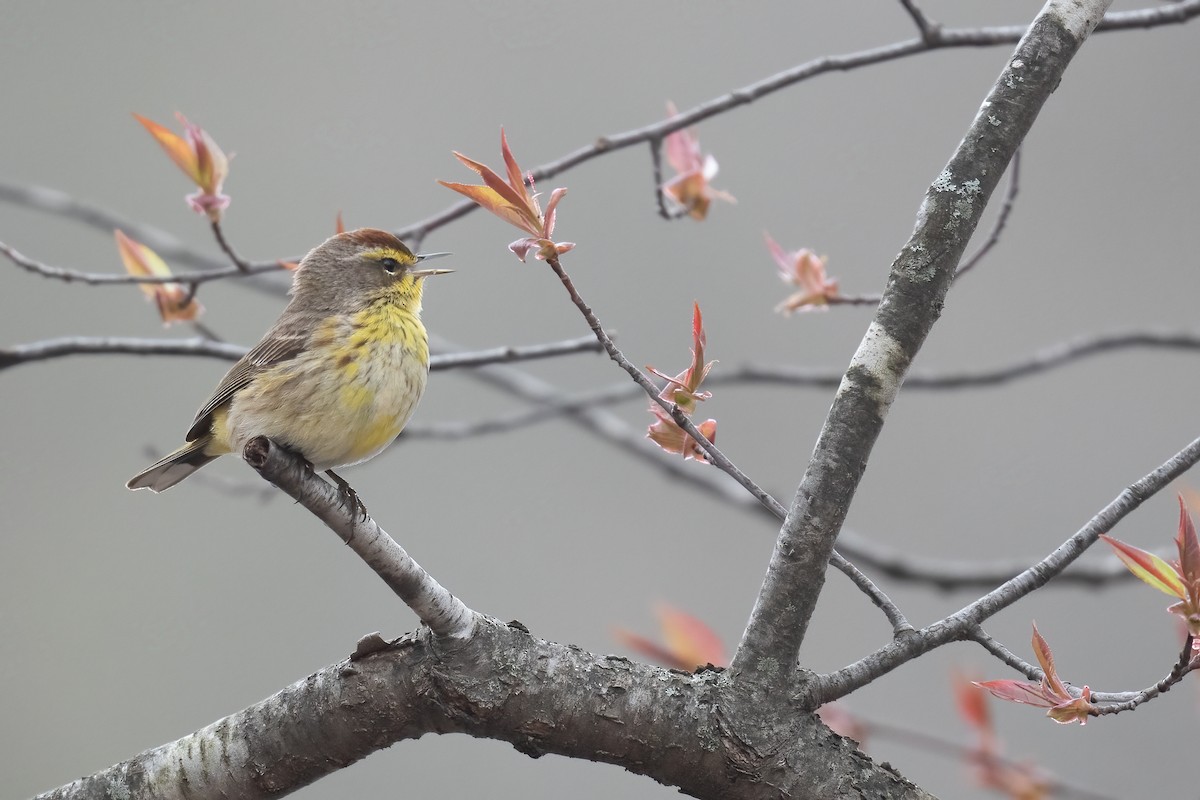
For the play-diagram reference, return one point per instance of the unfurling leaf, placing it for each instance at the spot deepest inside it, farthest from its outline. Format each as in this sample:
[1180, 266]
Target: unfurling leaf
[805, 269]
[1051, 693]
[684, 391]
[173, 300]
[200, 159]
[1180, 579]
[515, 203]
[690, 188]
[1020, 781]
[689, 642]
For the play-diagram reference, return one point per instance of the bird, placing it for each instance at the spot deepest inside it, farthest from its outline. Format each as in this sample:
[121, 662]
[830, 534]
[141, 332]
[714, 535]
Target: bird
[336, 378]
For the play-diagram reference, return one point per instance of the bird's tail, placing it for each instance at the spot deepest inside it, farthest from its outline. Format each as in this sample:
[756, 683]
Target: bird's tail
[171, 469]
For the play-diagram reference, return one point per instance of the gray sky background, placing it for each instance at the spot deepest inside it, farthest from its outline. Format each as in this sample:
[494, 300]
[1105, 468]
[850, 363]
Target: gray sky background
[127, 620]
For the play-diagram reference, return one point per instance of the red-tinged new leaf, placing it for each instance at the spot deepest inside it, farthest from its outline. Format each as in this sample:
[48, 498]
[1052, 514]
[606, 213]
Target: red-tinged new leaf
[176, 148]
[1189, 548]
[515, 176]
[690, 639]
[1016, 692]
[684, 391]
[489, 199]
[1077, 709]
[339, 225]
[690, 189]
[652, 651]
[1149, 568]
[972, 704]
[690, 643]
[805, 269]
[674, 439]
[1045, 656]
[172, 300]
[1051, 693]
[200, 159]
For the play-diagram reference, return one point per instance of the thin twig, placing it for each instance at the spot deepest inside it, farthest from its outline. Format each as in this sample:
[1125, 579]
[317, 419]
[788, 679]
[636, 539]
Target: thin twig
[1186, 663]
[209, 348]
[976, 633]
[104, 278]
[928, 29]
[239, 262]
[1043, 360]
[532, 352]
[900, 624]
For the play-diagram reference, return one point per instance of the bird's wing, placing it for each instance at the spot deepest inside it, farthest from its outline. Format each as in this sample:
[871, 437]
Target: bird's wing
[282, 343]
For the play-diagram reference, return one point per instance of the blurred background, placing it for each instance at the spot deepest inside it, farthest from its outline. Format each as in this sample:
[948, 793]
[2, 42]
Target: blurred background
[128, 619]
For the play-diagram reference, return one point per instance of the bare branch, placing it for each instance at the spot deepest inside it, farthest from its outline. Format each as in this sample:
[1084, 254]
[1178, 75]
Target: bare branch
[1116, 704]
[917, 285]
[993, 646]
[239, 262]
[208, 348]
[900, 624]
[108, 279]
[441, 611]
[928, 29]
[1043, 360]
[91, 345]
[500, 355]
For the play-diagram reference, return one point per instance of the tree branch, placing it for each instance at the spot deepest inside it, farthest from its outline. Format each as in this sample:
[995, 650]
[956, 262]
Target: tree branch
[108, 279]
[964, 623]
[945, 38]
[504, 684]
[1043, 360]
[919, 280]
[441, 611]
[92, 345]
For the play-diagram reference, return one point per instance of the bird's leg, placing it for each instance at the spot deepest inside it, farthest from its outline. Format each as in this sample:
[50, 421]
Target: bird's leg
[349, 496]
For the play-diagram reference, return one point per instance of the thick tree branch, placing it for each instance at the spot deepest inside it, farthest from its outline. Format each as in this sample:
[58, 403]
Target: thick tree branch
[912, 302]
[682, 730]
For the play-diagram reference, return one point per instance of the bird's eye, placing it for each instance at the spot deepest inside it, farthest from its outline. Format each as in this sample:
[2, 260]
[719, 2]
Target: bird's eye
[390, 264]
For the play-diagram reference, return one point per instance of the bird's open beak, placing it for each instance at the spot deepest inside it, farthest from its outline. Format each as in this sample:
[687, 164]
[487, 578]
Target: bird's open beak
[425, 273]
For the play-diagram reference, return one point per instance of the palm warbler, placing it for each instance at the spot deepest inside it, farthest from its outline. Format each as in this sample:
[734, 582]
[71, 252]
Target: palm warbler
[338, 375]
